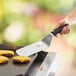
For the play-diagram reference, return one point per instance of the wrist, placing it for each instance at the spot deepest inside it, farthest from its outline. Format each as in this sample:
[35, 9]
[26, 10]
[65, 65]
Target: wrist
[66, 21]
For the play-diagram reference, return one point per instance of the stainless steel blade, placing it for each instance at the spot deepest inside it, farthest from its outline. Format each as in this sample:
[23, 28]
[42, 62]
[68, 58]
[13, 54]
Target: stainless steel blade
[49, 65]
[35, 47]
[31, 49]
[45, 66]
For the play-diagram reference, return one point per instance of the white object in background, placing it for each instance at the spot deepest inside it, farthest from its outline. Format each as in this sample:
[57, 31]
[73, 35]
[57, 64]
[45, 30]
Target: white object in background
[55, 64]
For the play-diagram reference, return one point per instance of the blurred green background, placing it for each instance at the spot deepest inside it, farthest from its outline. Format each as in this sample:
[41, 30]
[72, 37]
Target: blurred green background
[23, 22]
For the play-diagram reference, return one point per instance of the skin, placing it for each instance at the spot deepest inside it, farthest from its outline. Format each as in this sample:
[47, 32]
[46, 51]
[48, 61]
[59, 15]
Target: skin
[67, 53]
[70, 17]
[65, 30]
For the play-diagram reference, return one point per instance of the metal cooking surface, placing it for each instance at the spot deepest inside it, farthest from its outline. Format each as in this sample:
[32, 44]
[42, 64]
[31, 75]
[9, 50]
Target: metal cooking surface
[11, 69]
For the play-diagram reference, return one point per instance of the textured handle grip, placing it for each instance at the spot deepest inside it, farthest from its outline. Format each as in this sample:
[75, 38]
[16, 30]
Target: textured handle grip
[58, 30]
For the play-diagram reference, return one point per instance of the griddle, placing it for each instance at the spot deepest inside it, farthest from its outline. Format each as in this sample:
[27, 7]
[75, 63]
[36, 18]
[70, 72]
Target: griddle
[11, 69]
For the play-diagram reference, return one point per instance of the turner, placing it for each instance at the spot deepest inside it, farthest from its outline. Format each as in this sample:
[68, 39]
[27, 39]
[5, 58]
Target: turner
[40, 45]
[45, 42]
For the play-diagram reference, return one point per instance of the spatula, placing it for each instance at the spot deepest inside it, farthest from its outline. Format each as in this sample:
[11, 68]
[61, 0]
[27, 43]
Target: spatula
[45, 42]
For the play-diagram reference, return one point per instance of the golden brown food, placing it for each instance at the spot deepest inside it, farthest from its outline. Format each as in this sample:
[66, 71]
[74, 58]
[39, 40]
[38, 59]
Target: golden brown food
[3, 59]
[7, 53]
[21, 59]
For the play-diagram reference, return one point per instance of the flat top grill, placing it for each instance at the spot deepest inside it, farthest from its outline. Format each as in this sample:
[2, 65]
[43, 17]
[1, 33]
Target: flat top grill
[11, 69]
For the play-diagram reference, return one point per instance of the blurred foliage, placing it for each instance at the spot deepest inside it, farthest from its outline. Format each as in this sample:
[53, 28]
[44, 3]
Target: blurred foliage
[36, 17]
[55, 6]
[47, 5]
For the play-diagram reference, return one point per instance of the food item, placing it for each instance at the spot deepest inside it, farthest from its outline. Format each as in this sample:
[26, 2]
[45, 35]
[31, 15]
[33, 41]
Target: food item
[7, 53]
[21, 59]
[3, 59]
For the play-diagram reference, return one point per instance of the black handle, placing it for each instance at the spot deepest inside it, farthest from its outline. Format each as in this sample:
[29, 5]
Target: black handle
[58, 30]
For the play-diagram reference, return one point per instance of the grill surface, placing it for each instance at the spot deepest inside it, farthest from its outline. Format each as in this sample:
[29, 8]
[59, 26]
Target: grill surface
[12, 69]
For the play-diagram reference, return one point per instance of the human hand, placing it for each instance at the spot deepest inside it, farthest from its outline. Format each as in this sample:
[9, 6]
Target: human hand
[66, 29]
[69, 19]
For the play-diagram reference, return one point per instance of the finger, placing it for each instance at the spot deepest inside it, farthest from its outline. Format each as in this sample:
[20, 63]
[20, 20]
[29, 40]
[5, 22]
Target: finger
[68, 29]
[61, 33]
[64, 31]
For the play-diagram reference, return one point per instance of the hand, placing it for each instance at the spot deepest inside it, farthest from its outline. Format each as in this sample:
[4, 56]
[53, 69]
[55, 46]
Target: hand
[66, 29]
[70, 19]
